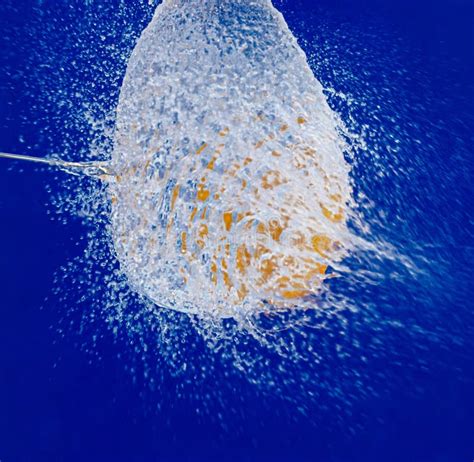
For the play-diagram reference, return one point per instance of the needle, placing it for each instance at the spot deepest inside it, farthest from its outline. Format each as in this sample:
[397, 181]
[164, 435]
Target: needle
[93, 169]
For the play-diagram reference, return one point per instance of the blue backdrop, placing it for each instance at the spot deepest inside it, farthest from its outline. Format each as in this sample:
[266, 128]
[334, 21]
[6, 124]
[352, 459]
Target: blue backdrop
[62, 401]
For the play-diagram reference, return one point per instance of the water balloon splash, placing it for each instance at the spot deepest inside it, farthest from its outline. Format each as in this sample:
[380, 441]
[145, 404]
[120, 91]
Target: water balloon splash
[230, 194]
[227, 191]
[229, 188]
[233, 190]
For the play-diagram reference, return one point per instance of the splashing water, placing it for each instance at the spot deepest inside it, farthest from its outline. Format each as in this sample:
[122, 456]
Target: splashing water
[233, 195]
[228, 197]
[231, 188]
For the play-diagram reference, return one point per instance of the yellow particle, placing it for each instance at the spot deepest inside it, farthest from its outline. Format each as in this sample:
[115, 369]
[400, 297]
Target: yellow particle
[242, 292]
[193, 214]
[267, 268]
[275, 230]
[214, 271]
[260, 251]
[271, 179]
[334, 217]
[211, 163]
[321, 244]
[184, 246]
[203, 231]
[291, 294]
[201, 148]
[174, 196]
[203, 193]
[243, 259]
[227, 220]
[227, 281]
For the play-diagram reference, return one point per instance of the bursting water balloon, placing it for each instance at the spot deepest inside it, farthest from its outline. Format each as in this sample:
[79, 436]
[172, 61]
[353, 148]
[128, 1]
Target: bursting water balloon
[291, 230]
[231, 192]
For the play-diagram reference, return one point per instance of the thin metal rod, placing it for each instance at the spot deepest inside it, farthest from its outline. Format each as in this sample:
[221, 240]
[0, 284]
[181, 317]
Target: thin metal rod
[94, 169]
[39, 160]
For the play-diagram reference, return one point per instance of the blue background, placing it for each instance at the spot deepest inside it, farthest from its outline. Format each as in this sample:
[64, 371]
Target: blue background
[61, 401]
